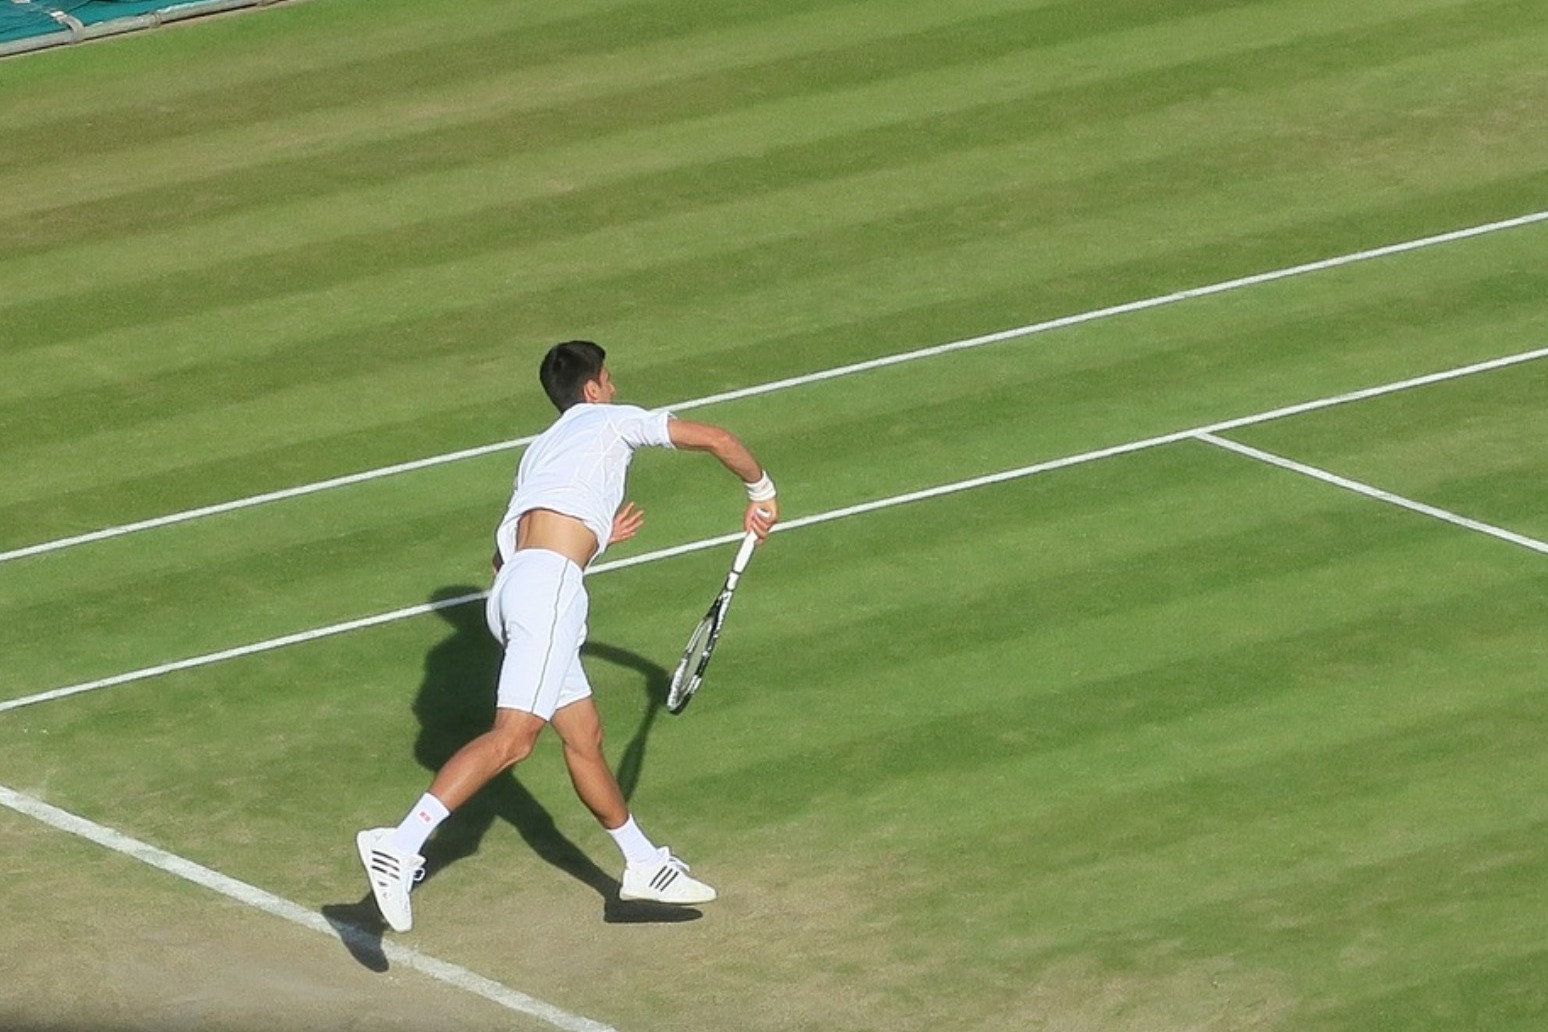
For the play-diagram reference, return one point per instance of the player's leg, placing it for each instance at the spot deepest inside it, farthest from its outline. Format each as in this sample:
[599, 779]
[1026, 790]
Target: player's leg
[495, 751]
[393, 858]
[579, 727]
[537, 608]
[651, 872]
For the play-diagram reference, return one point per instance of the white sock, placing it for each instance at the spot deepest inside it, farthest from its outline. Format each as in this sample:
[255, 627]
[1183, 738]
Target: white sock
[424, 818]
[632, 843]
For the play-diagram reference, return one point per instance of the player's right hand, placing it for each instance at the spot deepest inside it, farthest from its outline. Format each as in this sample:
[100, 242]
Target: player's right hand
[761, 517]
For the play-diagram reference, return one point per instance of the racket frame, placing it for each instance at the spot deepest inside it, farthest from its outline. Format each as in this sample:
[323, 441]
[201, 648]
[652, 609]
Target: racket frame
[685, 681]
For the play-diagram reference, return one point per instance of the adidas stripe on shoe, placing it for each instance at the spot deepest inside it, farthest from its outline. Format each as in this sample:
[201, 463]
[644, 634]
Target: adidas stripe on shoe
[664, 881]
[392, 873]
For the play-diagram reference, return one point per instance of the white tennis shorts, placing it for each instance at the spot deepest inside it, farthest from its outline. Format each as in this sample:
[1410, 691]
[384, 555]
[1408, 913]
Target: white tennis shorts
[537, 611]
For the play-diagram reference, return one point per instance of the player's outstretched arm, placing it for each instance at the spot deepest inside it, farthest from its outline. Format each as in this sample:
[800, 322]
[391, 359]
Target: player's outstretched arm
[762, 505]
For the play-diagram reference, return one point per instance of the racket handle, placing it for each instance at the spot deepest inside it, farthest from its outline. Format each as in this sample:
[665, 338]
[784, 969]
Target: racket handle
[743, 554]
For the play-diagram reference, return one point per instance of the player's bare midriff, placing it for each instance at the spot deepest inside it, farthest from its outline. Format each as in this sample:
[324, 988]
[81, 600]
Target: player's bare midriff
[556, 532]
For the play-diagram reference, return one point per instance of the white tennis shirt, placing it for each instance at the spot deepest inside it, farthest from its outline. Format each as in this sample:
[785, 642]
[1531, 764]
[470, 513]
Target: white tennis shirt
[578, 465]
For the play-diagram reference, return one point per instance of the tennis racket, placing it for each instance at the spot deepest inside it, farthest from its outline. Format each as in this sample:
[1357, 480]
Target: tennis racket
[690, 669]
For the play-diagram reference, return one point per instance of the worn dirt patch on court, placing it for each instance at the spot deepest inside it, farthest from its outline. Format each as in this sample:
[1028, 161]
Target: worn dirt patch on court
[1193, 996]
[96, 941]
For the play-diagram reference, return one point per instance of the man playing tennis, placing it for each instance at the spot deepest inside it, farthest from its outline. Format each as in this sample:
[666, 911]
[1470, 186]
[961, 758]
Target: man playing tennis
[568, 492]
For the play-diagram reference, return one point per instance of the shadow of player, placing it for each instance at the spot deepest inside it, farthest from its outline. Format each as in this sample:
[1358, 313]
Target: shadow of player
[455, 704]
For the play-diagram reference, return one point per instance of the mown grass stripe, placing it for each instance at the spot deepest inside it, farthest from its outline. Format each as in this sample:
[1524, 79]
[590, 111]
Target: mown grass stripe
[714, 66]
[962, 113]
[848, 370]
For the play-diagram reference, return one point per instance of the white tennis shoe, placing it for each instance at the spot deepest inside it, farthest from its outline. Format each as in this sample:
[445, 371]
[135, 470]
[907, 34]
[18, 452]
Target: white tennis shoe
[392, 873]
[664, 880]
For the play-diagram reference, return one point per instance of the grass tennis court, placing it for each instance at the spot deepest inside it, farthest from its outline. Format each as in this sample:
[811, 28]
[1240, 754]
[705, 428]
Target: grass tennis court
[1149, 734]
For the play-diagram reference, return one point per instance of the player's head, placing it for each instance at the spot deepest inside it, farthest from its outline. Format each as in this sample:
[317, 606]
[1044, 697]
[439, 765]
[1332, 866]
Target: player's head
[573, 372]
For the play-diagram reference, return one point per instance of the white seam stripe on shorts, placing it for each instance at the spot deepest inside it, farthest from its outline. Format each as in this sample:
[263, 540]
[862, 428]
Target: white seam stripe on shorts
[794, 381]
[277, 906]
[1375, 492]
[802, 521]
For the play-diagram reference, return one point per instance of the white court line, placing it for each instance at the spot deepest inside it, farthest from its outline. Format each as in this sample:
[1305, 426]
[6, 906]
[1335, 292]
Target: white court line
[794, 381]
[1201, 432]
[1375, 492]
[301, 637]
[277, 906]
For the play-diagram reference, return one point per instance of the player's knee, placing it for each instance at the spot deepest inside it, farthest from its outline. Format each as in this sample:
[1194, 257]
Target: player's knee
[584, 742]
[514, 749]
[515, 739]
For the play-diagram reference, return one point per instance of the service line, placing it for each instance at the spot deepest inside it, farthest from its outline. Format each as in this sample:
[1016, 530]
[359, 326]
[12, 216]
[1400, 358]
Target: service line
[1094, 315]
[1434, 512]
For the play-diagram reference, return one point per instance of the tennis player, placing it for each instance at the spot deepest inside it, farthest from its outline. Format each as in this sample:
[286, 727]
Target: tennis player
[563, 513]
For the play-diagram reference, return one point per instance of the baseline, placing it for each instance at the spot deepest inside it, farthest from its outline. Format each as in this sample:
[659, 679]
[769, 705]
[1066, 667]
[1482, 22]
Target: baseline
[276, 906]
[1205, 433]
[1063, 322]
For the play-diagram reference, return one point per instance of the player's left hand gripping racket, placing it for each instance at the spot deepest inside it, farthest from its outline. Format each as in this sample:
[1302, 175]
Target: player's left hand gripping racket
[690, 669]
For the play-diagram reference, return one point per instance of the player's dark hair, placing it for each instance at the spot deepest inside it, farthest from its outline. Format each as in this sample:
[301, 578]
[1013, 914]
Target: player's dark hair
[566, 370]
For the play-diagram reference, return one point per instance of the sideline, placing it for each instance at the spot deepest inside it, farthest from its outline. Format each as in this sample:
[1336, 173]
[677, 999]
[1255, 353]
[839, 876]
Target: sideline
[277, 906]
[1201, 433]
[794, 381]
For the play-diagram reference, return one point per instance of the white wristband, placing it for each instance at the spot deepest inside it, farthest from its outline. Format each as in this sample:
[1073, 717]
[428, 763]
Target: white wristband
[761, 490]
